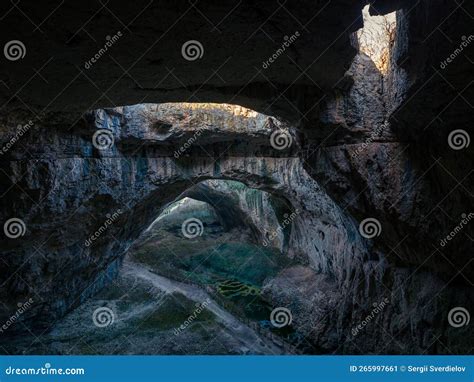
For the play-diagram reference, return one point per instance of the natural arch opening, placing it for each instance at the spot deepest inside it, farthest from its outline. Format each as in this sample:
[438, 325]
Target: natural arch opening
[150, 161]
[202, 278]
[227, 242]
[377, 36]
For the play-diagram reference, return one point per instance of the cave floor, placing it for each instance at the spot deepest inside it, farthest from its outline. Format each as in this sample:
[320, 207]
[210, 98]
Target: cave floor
[179, 296]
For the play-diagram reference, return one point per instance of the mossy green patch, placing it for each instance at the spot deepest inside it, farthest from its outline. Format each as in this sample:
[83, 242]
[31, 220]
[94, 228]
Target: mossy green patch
[243, 262]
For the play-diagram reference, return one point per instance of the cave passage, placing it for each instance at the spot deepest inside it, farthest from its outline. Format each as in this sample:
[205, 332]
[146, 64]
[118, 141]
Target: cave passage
[200, 279]
[201, 229]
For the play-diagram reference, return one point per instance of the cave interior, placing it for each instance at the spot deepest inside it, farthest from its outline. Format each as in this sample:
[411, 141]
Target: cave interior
[251, 178]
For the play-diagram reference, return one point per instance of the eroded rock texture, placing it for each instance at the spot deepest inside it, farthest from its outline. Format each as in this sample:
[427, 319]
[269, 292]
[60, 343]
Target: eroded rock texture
[247, 209]
[362, 145]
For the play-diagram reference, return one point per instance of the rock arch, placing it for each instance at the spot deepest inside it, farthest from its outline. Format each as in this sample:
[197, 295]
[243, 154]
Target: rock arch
[92, 208]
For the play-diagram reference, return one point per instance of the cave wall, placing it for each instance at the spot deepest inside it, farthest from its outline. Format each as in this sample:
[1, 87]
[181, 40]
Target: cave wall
[71, 197]
[382, 149]
[243, 208]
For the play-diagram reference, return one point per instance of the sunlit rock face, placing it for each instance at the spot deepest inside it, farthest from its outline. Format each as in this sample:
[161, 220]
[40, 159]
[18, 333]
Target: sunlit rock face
[384, 157]
[189, 129]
